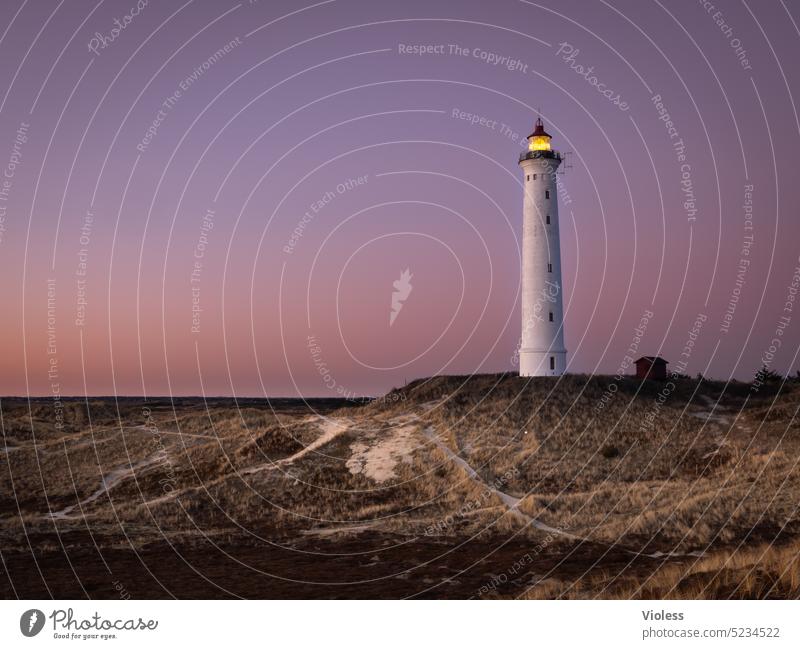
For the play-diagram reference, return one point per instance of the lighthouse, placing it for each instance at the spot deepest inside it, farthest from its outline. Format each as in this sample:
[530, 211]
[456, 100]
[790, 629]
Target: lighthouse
[542, 351]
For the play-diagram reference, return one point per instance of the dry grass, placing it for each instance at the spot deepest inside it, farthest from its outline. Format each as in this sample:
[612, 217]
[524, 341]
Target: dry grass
[751, 573]
[683, 484]
[762, 572]
[678, 484]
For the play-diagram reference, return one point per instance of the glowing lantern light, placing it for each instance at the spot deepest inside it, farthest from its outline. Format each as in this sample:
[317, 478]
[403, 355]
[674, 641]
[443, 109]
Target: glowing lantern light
[539, 140]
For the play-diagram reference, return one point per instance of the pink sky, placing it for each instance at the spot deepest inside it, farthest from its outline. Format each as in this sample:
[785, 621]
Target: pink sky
[323, 123]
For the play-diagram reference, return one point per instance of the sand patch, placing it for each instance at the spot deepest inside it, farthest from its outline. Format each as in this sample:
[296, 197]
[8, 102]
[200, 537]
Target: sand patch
[377, 458]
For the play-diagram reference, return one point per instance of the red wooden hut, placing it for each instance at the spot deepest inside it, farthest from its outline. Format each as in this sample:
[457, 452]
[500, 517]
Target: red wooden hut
[651, 367]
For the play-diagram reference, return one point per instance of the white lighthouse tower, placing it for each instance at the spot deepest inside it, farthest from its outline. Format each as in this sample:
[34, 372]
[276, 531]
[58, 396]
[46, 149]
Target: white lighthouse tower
[542, 351]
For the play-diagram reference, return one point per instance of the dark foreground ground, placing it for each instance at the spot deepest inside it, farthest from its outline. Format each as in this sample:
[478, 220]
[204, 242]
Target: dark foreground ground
[362, 568]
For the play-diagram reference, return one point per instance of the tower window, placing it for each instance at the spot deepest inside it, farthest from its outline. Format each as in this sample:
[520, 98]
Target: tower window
[549, 268]
[534, 176]
[528, 177]
[551, 316]
[552, 362]
[547, 193]
[547, 219]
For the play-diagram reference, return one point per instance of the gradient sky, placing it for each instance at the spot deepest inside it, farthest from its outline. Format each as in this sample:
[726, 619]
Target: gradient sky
[310, 97]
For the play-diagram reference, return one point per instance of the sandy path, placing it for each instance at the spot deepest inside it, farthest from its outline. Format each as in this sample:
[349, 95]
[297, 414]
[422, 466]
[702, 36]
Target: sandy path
[108, 481]
[331, 429]
[512, 502]
[713, 412]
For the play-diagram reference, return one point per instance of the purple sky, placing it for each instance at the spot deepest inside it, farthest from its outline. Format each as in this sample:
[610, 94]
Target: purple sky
[259, 112]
